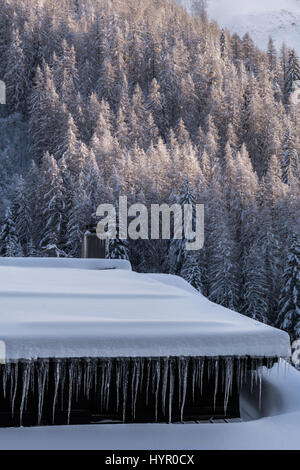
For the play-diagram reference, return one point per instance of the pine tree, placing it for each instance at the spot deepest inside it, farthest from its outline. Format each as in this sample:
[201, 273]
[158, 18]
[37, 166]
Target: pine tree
[289, 314]
[255, 283]
[15, 75]
[9, 242]
[177, 250]
[191, 272]
[53, 206]
[155, 105]
[292, 72]
[290, 161]
[23, 219]
[222, 270]
[79, 216]
[118, 249]
[45, 112]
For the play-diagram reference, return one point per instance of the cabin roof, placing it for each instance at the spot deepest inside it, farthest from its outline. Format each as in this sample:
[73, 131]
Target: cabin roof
[100, 308]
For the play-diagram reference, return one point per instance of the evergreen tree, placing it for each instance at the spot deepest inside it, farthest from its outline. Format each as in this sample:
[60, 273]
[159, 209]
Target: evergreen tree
[177, 250]
[15, 75]
[192, 273]
[118, 249]
[290, 161]
[289, 314]
[9, 242]
[292, 72]
[23, 219]
[52, 206]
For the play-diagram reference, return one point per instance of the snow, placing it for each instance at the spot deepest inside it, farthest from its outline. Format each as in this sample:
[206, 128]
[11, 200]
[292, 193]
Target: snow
[261, 18]
[80, 308]
[277, 428]
[70, 263]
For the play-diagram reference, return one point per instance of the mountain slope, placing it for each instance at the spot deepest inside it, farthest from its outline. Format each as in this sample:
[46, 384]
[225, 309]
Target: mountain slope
[261, 18]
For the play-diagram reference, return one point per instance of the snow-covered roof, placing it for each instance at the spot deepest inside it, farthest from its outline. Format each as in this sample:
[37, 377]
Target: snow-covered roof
[79, 308]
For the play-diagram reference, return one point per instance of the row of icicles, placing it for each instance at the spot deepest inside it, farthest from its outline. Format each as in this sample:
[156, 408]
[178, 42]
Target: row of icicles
[126, 378]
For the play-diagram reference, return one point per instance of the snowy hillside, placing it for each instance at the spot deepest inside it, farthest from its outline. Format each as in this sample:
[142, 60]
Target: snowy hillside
[261, 18]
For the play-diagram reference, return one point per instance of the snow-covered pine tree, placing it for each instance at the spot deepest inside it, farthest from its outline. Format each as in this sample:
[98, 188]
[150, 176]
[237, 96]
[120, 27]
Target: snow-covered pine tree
[223, 43]
[191, 272]
[118, 248]
[53, 207]
[15, 75]
[177, 249]
[292, 72]
[222, 270]
[289, 313]
[23, 219]
[9, 243]
[79, 216]
[155, 105]
[255, 283]
[45, 112]
[290, 158]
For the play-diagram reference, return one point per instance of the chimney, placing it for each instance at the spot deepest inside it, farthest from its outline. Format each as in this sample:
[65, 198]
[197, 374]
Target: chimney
[92, 246]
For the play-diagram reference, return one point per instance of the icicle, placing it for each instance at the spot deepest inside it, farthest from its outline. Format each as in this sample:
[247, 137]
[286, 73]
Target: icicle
[148, 380]
[171, 387]
[125, 373]
[4, 379]
[118, 381]
[183, 374]
[216, 363]
[14, 387]
[238, 373]
[142, 361]
[43, 368]
[63, 381]
[25, 387]
[157, 383]
[102, 388]
[135, 384]
[228, 381]
[86, 377]
[95, 373]
[71, 379]
[57, 373]
[30, 390]
[164, 384]
[79, 379]
[107, 383]
[193, 378]
[259, 372]
[209, 369]
[201, 374]
[179, 372]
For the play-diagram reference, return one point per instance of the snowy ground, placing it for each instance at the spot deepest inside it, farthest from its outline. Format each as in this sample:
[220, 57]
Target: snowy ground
[277, 428]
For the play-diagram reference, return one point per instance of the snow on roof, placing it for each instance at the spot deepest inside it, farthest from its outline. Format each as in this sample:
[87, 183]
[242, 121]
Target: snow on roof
[71, 263]
[100, 308]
